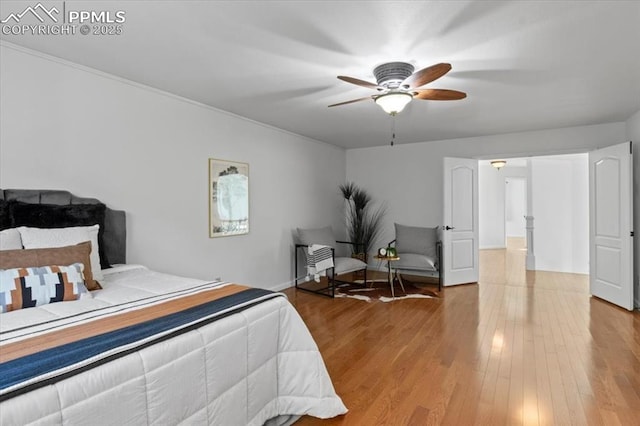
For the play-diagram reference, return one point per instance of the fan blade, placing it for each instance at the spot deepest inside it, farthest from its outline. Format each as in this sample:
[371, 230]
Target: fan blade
[351, 101]
[426, 75]
[439, 94]
[358, 82]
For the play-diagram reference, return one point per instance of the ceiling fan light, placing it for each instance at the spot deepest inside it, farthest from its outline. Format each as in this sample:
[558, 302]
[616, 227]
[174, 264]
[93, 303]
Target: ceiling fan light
[393, 103]
[498, 164]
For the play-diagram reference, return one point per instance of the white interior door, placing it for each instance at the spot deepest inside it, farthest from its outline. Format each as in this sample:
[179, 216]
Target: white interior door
[610, 224]
[460, 233]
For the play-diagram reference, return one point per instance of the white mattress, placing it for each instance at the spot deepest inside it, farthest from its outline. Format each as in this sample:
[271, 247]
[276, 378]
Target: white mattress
[244, 369]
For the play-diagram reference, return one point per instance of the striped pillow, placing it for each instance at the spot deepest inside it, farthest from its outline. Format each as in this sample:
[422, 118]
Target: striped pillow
[29, 287]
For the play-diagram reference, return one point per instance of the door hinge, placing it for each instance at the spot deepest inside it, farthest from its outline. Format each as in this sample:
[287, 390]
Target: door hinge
[632, 233]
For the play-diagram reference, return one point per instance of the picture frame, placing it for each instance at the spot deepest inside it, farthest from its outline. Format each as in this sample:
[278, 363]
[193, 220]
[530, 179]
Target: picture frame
[228, 198]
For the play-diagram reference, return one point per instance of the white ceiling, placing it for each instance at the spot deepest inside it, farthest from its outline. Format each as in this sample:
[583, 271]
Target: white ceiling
[525, 65]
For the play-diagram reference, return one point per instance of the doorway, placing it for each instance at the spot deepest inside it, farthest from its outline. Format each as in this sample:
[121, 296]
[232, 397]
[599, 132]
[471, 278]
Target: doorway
[502, 202]
[554, 191]
[563, 198]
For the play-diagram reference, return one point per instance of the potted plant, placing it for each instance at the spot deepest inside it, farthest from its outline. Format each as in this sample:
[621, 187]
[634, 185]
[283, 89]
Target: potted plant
[364, 222]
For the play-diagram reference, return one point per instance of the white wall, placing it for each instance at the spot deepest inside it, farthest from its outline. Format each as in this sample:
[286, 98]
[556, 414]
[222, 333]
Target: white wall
[409, 176]
[580, 222]
[633, 134]
[515, 207]
[146, 152]
[491, 202]
[560, 206]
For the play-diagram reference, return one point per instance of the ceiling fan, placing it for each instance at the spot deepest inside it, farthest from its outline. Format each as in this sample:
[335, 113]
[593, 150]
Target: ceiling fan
[397, 85]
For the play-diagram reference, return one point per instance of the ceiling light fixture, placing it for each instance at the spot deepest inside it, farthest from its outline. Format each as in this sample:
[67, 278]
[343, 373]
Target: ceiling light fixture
[394, 102]
[498, 164]
[397, 84]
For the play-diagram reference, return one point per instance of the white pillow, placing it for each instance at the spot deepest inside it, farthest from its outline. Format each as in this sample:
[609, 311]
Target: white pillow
[60, 237]
[10, 239]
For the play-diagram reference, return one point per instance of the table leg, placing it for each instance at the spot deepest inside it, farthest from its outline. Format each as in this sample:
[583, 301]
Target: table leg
[393, 296]
[400, 281]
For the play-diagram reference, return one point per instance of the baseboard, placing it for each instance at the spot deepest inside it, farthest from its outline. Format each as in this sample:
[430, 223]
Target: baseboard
[493, 247]
[282, 286]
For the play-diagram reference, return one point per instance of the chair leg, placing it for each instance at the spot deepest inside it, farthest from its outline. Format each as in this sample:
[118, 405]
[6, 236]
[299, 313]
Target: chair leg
[439, 252]
[295, 262]
[333, 282]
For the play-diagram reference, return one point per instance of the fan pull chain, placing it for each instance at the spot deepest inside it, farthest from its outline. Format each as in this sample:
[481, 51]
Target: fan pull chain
[393, 129]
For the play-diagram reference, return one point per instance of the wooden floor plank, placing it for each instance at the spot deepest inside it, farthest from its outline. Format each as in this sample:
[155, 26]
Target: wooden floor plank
[520, 347]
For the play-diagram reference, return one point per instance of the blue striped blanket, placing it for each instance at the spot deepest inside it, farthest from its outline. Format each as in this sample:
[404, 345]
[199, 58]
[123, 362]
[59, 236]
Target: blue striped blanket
[37, 361]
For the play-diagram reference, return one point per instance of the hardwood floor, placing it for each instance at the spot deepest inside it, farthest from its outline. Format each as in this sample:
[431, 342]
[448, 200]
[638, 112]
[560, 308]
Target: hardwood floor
[526, 348]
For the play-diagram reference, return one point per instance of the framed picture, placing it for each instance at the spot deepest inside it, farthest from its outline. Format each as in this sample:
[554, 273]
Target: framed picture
[228, 198]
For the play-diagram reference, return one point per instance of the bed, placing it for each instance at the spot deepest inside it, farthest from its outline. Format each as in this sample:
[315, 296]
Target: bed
[153, 348]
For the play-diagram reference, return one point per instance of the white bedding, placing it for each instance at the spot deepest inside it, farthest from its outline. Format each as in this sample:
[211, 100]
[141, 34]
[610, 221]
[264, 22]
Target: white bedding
[244, 369]
[121, 284]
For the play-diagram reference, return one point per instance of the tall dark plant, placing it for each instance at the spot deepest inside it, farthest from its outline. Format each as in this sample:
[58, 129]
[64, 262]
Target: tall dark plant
[364, 223]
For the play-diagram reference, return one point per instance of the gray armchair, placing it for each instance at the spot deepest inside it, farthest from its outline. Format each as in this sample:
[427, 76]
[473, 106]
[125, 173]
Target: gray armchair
[341, 265]
[419, 250]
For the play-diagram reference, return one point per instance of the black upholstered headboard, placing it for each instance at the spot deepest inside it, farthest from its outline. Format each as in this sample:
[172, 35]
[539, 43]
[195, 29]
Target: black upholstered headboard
[115, 232]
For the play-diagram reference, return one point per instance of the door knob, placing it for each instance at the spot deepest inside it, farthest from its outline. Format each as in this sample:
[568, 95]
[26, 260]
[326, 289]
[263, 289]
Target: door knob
[446, 228]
